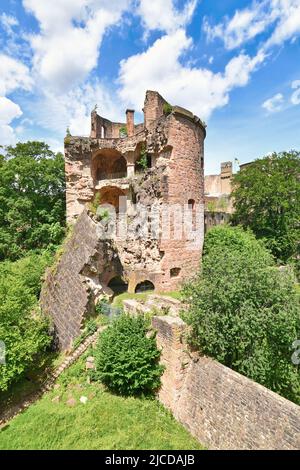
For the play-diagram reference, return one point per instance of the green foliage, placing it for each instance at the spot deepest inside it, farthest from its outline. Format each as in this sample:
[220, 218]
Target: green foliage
[32, 199]
[211, 206]
[267, 199]
[90, 328]
[244, 312]
[100, 213]
[123, 131]
[126, 359]
[95, 203]
[22, 328]
[167, 108]
[143, 160]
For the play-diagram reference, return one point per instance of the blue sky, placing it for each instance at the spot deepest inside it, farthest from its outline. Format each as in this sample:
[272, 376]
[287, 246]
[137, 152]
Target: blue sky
[233, 63]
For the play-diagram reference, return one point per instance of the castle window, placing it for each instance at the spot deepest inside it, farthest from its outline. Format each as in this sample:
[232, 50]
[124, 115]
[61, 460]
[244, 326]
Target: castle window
[102, 132]
[191, 204]
[174, 272]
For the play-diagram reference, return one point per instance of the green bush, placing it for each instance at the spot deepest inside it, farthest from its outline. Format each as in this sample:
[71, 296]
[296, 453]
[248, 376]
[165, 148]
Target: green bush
[167, 108]
[126, 359]
[22, 328]
[244, 312]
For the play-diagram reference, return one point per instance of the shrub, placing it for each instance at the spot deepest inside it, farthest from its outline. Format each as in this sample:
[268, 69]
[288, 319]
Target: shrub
[244, 312]
[126, 359]
[167, 108]
[22, 328]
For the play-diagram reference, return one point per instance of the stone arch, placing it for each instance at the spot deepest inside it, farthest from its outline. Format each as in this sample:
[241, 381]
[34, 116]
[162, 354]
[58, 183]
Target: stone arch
[144, 286]
[110, 195]
[118, 285]
[108, 164]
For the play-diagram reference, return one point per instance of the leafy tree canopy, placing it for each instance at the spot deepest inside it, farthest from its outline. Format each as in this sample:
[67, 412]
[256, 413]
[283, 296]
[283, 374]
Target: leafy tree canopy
[32, 199]
[244, 311]
[267, 200]
[23, 330]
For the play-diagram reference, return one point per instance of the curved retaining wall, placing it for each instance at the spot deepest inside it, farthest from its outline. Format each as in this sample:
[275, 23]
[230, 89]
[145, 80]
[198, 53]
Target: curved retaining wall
[221, 408]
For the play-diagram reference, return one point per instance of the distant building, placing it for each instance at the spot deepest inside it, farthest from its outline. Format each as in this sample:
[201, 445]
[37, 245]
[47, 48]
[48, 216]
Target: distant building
[217, 190]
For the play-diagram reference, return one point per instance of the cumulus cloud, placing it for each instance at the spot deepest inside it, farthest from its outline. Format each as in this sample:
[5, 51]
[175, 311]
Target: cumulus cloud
[13, 75]
[198, 89]
[73, 109]
[8, 112]
[281, 15]
[274, 104]
[295, 98]
[163, 14]
[67, 47]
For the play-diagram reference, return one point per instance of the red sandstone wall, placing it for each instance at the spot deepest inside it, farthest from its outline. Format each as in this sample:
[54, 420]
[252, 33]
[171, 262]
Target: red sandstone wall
[221, 408]
[185, 181]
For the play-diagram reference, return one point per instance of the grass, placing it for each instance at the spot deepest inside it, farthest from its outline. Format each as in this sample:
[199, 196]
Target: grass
[31, 381]
[118, 299]
[106, 421]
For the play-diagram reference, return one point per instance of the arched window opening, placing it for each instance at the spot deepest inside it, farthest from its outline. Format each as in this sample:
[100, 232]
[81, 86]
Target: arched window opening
[108, 164]
[113, 196]
[102, 132]
[118, 285]
[144, 286]
[175, 272]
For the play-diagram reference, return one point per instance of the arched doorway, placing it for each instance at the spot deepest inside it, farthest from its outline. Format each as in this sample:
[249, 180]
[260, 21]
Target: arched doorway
[118, 285]
[108, 164]
[144, 286]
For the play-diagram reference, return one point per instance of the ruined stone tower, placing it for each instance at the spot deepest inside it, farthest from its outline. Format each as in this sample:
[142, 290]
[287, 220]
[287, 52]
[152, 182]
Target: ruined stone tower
[152, 165]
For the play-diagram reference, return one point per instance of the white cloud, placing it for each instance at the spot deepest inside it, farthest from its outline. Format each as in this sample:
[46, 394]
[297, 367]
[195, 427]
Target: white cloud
[243, 26]
[8, 112]
[198, 89]
[282, 15]
[73, 109]
[67, 48]
[8, 22]
[274, 104]
[163, 14]
[288, 26]
[13, 75]
[295, 99]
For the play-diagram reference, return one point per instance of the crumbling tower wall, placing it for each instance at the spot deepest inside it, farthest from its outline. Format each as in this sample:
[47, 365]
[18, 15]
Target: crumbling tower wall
[156, 165]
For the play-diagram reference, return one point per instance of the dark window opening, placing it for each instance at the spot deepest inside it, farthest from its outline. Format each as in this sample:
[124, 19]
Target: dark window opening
[144, 287]
[174, 272]
[191, 204]
[118, 285]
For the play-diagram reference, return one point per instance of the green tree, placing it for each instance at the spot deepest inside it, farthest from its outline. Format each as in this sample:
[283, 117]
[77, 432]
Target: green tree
[126, 359]
[266, 199]
[244, 311]
[32, 199]
[23, 330]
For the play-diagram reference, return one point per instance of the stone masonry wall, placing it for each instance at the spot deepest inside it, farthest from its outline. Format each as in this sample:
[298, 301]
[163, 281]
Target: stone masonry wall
[221, 408]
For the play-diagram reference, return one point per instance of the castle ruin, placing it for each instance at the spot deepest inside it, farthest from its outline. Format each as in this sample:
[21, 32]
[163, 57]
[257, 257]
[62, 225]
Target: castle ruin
[153, 165]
